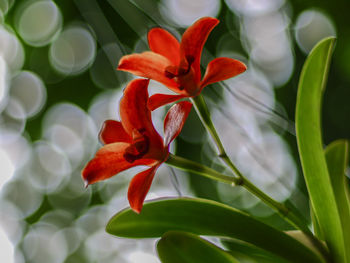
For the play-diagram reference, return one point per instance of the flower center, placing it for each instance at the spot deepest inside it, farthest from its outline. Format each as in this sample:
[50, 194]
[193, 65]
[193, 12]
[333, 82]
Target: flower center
[138, 148]
[183, 75]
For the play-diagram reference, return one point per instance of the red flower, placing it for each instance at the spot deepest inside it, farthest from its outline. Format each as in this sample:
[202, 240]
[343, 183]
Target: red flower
[134, 141]
[177, 65]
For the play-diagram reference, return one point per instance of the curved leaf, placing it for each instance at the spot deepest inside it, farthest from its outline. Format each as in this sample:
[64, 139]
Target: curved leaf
[175, 247]
[246, 252]
[337, 161]
[205, 217]
[308, 128]
[302, 238]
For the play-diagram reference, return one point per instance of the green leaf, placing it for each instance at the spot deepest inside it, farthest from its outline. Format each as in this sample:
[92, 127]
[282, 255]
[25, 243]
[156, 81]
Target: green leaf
[205, 217]
[315, 224]
[308, 127]
[246, 252]
[302, 238]
[175, 247]
[337, 161]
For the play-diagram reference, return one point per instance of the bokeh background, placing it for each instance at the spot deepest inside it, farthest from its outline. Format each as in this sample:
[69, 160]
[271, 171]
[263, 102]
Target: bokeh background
[58, 84]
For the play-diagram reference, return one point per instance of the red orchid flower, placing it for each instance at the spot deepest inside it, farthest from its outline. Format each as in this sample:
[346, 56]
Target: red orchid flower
[134, 141]
[177, 65]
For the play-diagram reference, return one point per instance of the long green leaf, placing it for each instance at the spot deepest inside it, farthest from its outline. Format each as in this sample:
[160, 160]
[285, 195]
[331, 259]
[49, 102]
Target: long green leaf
[205, 217]
[246, 252]
[337, 161]
[175, 247]
[308, 117]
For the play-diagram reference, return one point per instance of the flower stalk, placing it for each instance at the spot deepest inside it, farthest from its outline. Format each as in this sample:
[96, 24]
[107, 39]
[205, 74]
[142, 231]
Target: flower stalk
[204, 115]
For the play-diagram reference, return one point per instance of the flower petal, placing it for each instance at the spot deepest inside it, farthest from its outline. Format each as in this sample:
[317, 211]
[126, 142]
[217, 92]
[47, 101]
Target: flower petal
[222, 68]
[109, 161]
[134, 113]
[193, 41]
[158, 100]
[162, 42]
[113, 131]
[175, 120]
[139, 187]
[148, 65]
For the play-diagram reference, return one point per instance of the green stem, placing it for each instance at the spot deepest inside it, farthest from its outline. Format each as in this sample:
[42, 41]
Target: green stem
[194, 167]
[204, 115]
[286, 213]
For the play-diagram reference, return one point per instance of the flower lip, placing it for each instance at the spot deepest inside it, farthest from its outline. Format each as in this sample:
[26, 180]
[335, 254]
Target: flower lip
[137, 149]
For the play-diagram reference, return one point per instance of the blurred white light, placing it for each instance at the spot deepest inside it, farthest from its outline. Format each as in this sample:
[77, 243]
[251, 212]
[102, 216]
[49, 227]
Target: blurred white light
[72, 131]
[68, 141]
[15, 110]
[12, 120]
[265, 26]
[51, 159]
[42, 245]
[240, 100]
[7, 168]
[270, 165]
[57, 217]
[5, 5]
[71, 195]
[39, 22]
[73, 51]
[312, 26]
[254, 7]
[140, 256]
[21, 193]
[71, 116]
[49, 166]
[29, 90]
[73, 237]
[267, 41]
[19, 257]
[184, 12]
[3, 83]
[6, 248]
[100, 244]
[11, 221]
[11, 50]
[105, 107]
[94, 219]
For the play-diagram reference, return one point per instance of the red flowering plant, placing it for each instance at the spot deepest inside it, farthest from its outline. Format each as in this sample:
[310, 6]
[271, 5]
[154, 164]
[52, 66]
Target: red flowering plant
[177, 65]
[179, 222]
[134, 141]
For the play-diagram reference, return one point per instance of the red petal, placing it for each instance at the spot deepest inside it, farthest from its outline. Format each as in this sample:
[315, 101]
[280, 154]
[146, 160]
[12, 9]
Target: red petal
[193, 41]
[158, 100]
[148, 65]
[175, 120]
[222, 68]
[134, 113]
[139, 187]
[113, 131]
[162, 42]
[108, 162]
